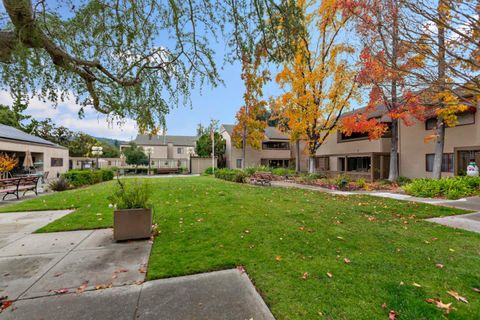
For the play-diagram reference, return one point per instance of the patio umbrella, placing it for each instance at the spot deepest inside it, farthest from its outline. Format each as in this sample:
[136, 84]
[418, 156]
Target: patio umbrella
[28, 162]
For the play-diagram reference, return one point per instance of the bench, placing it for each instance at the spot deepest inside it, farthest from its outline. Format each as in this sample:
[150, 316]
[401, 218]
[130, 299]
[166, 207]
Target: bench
[14, 186]
[261, 178]
[167, 170]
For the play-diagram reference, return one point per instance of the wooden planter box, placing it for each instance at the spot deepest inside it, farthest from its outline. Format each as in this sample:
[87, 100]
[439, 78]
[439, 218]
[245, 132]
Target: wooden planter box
[130, 224]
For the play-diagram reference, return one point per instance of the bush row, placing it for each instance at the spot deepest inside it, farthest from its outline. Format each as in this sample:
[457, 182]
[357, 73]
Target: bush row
[450, 188]
[78, 178]
[234, 175]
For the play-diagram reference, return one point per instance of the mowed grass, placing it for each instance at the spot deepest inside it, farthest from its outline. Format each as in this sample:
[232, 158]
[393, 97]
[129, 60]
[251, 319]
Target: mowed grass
[282, 236]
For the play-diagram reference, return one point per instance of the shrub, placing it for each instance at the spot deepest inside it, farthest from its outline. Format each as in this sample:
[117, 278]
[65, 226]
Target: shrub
[79, 178]
[342, 181]
[182, 170]
[361, 183]
[60, 184]
[280, 171]
[403, 180]
[451, 188]
[134, 194]
[233, 175]
[208, 171]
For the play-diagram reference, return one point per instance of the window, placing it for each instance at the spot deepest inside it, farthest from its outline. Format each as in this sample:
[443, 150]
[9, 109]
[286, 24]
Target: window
[430, 124]
[56, 162]
[276, 163]
[465, 118]
[353, 136]
[179, 150]
[276, 145]
[462, 119]
[447, 162]
[322, 163]
[358, 164]
[239, 163]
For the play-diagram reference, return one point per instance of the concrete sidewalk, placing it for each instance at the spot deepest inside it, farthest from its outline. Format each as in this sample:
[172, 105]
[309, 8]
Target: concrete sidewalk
[226, 294]
[34, 265]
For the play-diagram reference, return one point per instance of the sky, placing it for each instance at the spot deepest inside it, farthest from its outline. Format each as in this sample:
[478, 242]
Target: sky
[220, 103]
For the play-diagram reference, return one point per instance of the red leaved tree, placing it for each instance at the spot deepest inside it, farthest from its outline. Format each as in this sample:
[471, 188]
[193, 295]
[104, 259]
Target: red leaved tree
[386, 64]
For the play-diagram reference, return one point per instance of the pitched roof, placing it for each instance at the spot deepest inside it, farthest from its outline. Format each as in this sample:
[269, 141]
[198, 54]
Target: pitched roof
[380, 111]
[271, 133]
[11, 133]
[146, 139]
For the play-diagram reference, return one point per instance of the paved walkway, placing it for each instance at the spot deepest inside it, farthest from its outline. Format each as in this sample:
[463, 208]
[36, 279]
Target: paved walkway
[470, 222]
[85, 275]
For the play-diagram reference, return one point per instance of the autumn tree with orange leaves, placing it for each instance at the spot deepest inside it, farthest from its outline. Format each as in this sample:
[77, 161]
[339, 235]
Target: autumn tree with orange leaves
[249, 129]
[387, 62]
[319, 82]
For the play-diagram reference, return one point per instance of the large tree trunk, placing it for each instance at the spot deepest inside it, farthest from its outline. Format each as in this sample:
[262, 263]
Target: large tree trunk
[297, 156]
[393, 169]
[244, 145]
[439, 144]
[311, 164]
[440, 130]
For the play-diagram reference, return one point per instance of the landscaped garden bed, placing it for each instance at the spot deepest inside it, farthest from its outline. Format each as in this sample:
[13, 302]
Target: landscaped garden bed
[311, 255]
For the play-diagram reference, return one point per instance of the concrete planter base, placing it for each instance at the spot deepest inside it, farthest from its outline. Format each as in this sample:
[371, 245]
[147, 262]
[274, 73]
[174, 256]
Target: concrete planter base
[130, 224]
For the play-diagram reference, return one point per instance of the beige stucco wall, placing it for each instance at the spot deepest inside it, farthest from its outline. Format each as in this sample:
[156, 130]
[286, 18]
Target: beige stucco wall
[42, 152]
[413, 149]
[199, 165]
[253, 156]
[333, 147]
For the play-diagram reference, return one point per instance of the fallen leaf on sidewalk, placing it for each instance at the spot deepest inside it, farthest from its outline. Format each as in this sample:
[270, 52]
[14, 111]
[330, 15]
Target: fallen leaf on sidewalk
[82, 287]
[56, 275]
[241, 269]
[142, 269]
[457, 296]
[4, 304]
[60, 291]
[103, 286]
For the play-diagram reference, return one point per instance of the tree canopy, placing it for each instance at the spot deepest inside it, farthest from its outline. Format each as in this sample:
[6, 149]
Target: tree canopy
[134, 155]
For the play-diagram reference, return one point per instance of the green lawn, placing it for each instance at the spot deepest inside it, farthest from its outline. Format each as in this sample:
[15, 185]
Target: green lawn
[279, 234]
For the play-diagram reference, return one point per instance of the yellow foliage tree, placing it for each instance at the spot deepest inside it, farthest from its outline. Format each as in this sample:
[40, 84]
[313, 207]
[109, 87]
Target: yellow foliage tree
[319, 82]
[250, 127]
[7, 163]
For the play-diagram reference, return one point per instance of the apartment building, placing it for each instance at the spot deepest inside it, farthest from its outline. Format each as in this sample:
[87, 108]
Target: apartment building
[274, 152]
[167, 151]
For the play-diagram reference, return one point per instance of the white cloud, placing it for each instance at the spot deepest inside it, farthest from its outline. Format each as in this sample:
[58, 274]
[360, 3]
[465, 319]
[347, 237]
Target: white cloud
[66, 114]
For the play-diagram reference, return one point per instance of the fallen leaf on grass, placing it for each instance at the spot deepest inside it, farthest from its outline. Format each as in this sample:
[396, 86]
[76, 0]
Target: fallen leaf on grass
[82, 287]
[439, 265]
[60, 291]
[384, 305]
[416, 285]
[278, 258]
[476, 290]
[439, 304]
[305, 276]
[329, 274]
[392, 315]
[346, 260]
[457, 296]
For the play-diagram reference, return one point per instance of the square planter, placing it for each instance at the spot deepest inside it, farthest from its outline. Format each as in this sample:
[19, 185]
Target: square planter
[129, 224]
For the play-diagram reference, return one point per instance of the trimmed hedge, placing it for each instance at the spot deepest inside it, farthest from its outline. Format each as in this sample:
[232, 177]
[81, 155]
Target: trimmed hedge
[78, 178]
[233, 175]
[450, 188]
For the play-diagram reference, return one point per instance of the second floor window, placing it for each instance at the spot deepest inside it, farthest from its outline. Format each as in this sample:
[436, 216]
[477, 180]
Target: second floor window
[462, 119]
[276, 145]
